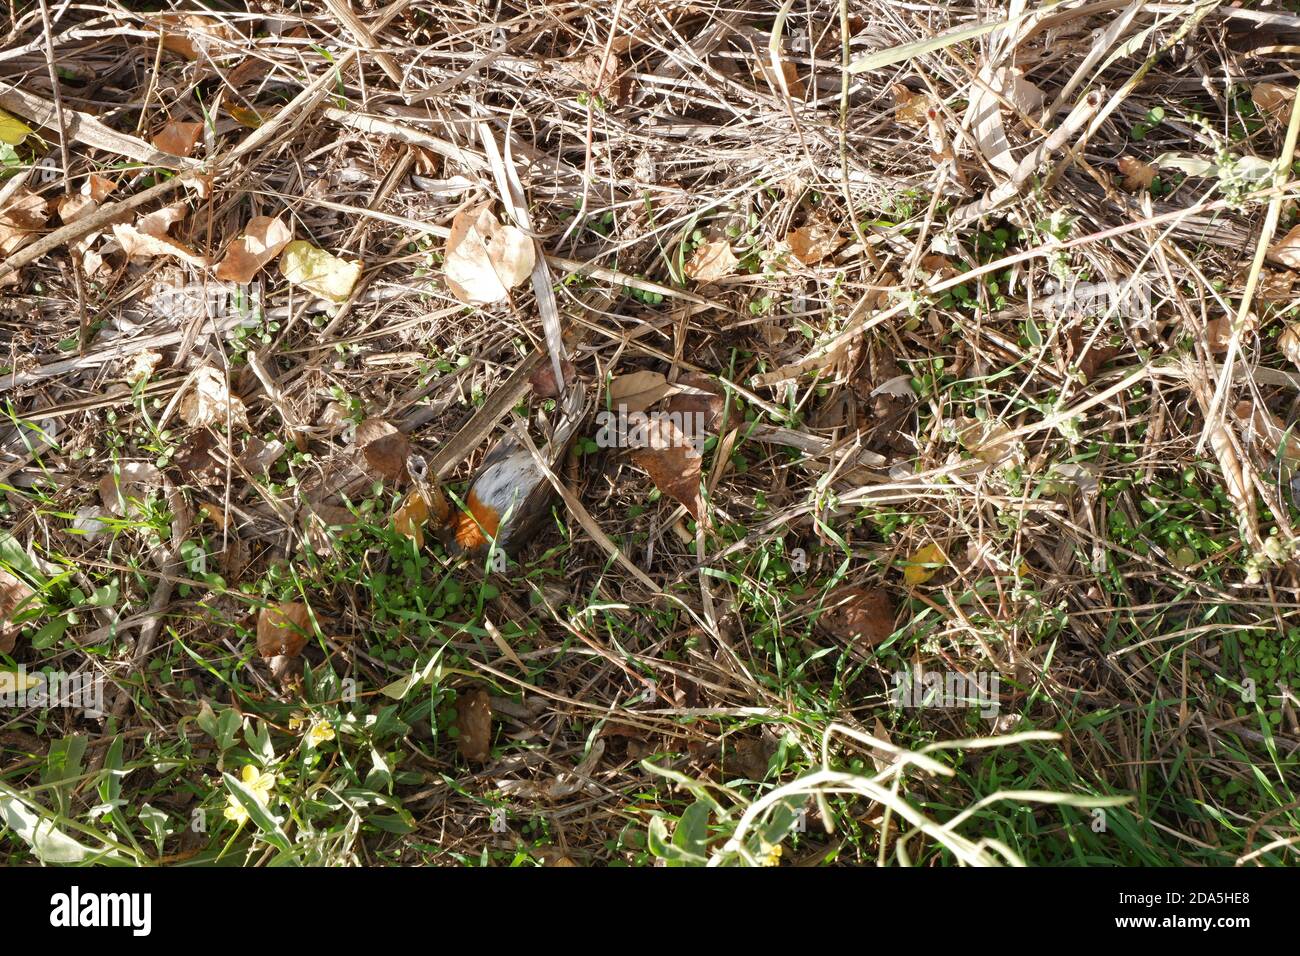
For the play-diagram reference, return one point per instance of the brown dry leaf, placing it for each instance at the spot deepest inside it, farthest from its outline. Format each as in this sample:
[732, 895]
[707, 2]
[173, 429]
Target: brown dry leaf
[1286, 251]
[98, 187]
[73, 207]
[15, 598]
[1137, 174]
[317, 271]
[132, 482]
[1281, 442]
[208, 401]
[1093, 358]
[673, 464]
[484, 259]
[602, 76]
[698, 393]
[794, 84]
[1289, 343]
[812, 243]
[283, 630]
[637, 391]
[474, 725]
[863, 618]
[1273, 99]
[23, 215]
[1218, 333]
[384, 448]
[910, 109]
[188, 35]
[263, 239]
[542, 381]
[711, 261]
[178, 138]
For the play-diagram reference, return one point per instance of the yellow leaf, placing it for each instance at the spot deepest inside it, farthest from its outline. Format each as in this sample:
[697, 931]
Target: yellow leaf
[914, 568]
[317, 271]
[12, 130]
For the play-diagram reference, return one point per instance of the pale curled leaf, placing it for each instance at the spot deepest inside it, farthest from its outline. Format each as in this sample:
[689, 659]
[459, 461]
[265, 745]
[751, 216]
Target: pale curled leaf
[484, 259]
[711, 261]
[208, 401]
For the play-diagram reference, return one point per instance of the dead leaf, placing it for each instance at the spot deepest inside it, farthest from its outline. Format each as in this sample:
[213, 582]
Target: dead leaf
[208, 402]
[131, 483]
[189, 35]
[637, 391]
[317, 271]
[258, 456]
[711, 261]
[984, 114]
[148, 238]
[910, 108]
[142, 365]
[1286, 251]
[384, 448]
[1282, 443]
[485, 259]
[601, 75]
[863, 618]
[263, 239]
[178, 138]
[1089, 359]
[74, 206]
[812, 243]
[672, 462]
[283, 629]
[98, 187]
[752, 756]
[1273, 99]
[698, 394]
[542, 381]
[15, 598]
[1218, 334]
[917, 569]
[1137, 174]
[474, 725]
[1289, 342]
[24, 214]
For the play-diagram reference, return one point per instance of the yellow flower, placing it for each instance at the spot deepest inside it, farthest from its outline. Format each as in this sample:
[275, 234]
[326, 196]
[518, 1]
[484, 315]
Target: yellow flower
[260, 782]
[320, 733]
[771, 856]
[296, 721]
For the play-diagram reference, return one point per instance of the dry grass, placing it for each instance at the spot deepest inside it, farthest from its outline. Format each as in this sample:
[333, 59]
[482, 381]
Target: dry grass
[1112, 511]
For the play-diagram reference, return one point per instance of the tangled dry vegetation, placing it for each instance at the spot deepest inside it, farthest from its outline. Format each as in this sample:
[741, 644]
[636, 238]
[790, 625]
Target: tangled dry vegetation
[986, 312]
